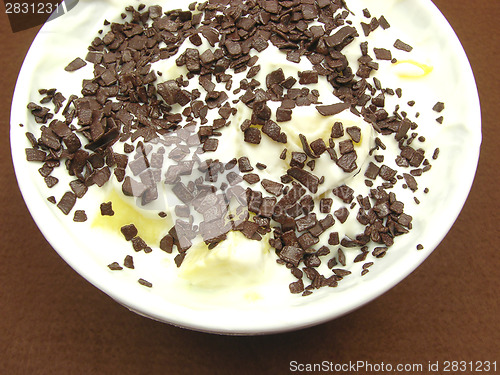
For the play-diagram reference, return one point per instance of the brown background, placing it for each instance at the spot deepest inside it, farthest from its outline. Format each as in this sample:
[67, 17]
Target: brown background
[54, 322]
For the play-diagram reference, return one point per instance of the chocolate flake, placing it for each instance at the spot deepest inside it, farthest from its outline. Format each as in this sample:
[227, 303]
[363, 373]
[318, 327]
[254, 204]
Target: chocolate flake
[341, 272]
[67, 202]
[355, 133]
[283, 154]
[325, 205]
[435, 155]
[307, 179]
[244, 165]
[115, 266]
[138, 243]
[372, 171]
[51, 181]
[334, 239]
[332, 109]
[307, 240]
[307, 77]
[145, 283]
[402, 46]
[382, 54]
[348, 162]
[272, 187]
[318, 147]
[210, 144]
[298, 159]
[342, 214]
[35, 155]
[129, 231]
[283, 114]
[327, 222]
[291, 254]
[344, 192]
[80, 216]
[341, 257]
[410, 181]
[252, 135]
[342, 36]
[75, 65]
[306, 222]
[387, 173]
[251, 178]
[106, 209]
[129, 262]
[383, 23]
[438, 107]
[296, 287]
[167, 243]
[337, 130]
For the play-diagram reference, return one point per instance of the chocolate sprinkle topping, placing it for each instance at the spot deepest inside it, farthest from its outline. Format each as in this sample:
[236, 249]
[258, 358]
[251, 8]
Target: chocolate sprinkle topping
[145, 283]
[129, 262]
[75, 65]
[79, 216]
[402, 46]
[129, 231]
[106, 209]
[332, 109]
[170, 123]
[438, 107]
[115, 266]
[382, 54]
[307, 179]
[67, 202]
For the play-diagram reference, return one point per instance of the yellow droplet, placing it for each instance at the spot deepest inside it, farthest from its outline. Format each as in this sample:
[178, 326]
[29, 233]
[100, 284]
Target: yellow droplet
[150, 226]
[252, 296]
[412, 69]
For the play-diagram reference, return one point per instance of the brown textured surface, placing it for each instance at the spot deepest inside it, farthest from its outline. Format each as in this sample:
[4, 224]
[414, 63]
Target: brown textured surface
[54, 322]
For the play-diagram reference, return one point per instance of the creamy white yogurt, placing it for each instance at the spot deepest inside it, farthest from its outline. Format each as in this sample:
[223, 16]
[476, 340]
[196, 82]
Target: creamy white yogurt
[259, 278]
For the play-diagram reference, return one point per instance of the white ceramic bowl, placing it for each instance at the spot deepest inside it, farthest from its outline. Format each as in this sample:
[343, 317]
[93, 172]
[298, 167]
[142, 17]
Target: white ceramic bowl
[89, 251]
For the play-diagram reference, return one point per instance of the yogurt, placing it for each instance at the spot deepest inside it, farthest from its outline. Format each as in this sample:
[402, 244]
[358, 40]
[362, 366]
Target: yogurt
[248, 268]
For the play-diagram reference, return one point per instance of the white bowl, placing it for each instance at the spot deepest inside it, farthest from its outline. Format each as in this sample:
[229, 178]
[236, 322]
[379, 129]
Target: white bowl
[85, 249]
